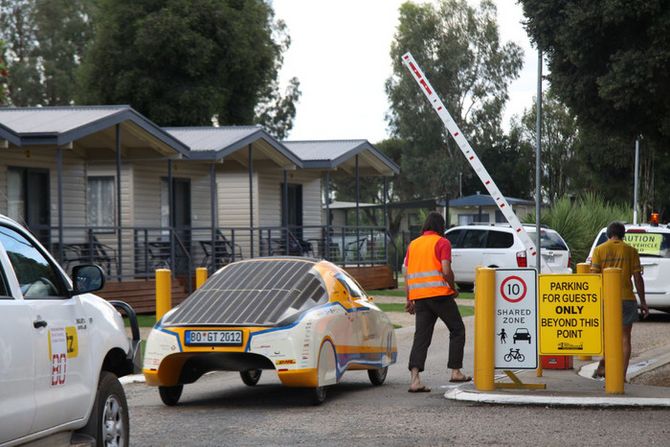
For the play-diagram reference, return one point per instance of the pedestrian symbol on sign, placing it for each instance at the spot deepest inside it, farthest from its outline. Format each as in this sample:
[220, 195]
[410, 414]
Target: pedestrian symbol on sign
[503, 336]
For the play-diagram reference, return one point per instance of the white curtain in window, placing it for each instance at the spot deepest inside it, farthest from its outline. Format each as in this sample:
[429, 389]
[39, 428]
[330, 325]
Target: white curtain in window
[101, 203]
[16, 195]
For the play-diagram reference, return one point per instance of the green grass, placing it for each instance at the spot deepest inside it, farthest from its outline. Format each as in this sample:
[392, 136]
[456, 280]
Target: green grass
[143, 320]
[401, 293]
[466, 311]
[389, 292]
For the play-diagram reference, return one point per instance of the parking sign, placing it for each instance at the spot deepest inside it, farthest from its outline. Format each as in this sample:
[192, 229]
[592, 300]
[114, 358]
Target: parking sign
[516, 319]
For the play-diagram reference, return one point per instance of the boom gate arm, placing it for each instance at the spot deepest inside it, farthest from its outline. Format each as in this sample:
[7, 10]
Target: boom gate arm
[470, 155]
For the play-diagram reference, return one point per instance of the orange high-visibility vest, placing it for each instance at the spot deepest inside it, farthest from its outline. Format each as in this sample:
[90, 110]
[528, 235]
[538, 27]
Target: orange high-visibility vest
[424, 271]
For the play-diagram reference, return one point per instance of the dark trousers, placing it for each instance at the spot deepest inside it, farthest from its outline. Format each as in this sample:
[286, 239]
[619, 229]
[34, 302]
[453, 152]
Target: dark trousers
[427, 311]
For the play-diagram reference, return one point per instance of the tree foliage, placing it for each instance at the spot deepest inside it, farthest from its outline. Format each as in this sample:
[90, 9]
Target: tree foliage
[45, 40]
[608, 60]
[182, 62]
[459, 48]
[560, 144]
[3, 75]
[608, 63]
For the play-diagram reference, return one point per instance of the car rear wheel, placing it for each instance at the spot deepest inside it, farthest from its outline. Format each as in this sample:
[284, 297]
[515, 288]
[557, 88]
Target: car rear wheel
[378, 376]
[170, 394]
[108, 423]
[318, 395]
[251, 377]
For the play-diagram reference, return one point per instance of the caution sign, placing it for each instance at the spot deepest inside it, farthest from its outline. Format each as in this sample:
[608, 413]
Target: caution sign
[571, 319]
[515, 319]
[645, 243]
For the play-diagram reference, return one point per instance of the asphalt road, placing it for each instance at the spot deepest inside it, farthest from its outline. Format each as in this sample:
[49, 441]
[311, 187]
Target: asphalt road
[220, 410]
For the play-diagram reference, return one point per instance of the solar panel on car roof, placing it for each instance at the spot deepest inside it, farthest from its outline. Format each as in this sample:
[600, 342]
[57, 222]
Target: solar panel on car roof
[255, 292]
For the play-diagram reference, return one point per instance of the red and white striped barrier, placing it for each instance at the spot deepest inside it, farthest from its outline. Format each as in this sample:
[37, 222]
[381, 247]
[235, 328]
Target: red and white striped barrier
[470, 154]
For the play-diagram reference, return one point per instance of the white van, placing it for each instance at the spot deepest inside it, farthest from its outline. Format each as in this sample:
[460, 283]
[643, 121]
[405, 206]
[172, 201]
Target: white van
[653, 244]
[498, 246]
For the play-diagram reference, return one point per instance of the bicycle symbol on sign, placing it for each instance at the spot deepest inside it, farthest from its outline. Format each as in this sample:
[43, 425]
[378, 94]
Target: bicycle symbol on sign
[514, 354]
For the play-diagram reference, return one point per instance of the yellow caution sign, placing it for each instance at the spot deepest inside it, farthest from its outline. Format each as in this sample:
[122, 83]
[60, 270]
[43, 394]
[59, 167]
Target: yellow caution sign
[645, 243]
[570, 314]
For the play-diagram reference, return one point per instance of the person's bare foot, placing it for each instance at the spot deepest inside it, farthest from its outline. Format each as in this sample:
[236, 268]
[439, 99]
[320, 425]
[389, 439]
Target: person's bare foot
[458, 376]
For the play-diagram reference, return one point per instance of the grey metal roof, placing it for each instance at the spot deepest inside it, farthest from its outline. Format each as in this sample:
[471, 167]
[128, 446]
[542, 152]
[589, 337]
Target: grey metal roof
[62, 125]
[253, 292]
[219, 142]
[486, 200]
[8, 135]
[329, 154]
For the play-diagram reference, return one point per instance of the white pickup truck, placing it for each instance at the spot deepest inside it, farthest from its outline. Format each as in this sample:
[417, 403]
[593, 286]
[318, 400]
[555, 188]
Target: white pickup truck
[62, 350]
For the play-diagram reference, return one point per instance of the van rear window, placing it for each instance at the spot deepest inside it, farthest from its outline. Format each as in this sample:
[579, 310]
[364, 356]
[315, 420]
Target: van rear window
[548, 240]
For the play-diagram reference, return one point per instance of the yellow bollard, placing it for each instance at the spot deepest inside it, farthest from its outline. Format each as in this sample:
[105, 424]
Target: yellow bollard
[614, 374]
[583, 267]
[200, 276]
[163, 292]
[485, 283]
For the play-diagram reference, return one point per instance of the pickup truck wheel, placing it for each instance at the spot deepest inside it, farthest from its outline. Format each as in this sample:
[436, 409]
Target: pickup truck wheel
[108, 423]
[251, 377]
[170, 394]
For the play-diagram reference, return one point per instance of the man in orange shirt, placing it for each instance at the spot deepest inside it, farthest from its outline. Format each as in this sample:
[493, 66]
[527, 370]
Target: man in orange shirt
[615, 253]
[430, 291]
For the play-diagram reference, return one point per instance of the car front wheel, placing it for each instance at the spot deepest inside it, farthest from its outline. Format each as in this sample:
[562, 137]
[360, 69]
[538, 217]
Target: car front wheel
[170, 394]
[108, 423]
[251, 377]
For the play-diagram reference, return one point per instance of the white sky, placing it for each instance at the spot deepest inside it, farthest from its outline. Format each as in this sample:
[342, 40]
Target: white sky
[340, 53]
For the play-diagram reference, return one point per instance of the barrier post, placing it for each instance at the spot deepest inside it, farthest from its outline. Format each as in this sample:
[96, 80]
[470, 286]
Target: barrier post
[485, 281]
[163, 292]
[614, 374]
[582, 268]
[200, 276]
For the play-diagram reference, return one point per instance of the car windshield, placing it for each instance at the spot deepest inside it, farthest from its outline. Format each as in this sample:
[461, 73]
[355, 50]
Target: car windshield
[550, 240]
[649, 244]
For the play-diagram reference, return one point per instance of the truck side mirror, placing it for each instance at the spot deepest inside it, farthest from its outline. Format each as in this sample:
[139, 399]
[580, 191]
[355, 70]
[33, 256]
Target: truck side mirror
[87, 278]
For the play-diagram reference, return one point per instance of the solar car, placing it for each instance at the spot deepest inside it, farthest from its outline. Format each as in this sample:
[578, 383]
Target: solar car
[306, 319]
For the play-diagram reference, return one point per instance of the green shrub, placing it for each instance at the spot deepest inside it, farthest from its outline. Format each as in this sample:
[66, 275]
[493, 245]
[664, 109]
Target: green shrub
[579, 221]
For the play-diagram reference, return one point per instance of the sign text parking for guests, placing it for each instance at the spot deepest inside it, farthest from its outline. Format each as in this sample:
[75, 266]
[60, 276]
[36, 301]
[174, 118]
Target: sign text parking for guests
[570, 314]
[515, 343]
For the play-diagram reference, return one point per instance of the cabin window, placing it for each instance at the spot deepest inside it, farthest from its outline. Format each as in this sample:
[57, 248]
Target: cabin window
[100, 199]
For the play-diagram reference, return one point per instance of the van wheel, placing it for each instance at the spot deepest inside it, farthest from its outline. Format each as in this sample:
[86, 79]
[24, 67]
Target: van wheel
[170, 394]
[464, 287]
[251, 377]
[108, 422]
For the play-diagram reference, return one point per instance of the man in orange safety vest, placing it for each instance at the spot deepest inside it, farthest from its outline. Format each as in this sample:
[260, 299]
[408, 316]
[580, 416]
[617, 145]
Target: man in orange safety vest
[430, 290]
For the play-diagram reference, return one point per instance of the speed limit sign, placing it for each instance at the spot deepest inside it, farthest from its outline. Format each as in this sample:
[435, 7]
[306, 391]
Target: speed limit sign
[516, 319]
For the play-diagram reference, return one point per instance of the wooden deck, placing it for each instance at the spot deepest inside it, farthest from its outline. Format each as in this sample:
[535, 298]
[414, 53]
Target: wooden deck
[374, 277]
[141, 295]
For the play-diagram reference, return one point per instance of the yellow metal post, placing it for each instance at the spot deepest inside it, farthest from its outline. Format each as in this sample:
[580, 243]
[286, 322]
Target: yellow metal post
[582, 268]
[614, 374]
[163, 292]
[200, 276]
[484, 328]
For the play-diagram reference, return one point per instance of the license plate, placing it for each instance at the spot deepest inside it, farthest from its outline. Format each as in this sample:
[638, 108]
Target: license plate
[214, 338]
